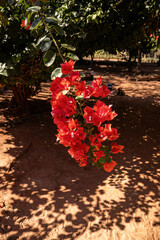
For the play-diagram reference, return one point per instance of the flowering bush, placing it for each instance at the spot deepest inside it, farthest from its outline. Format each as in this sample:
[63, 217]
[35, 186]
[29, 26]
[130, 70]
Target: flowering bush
[81, 127]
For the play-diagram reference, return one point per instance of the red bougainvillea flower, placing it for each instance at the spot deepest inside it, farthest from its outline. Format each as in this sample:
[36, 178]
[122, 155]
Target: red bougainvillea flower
[103, 111]
[80, 88]
[64, 106]
[61, 122]
[100, 113]
[107, 132]
[95, 141]
[60, 84]
[56, 86]
[88, 92]
[105, 91]
[96, 83]
[73, 135]
[23, 25]
[98, 154]
[67, 67]
[102, 91]
[115, 148]
[27, 28]
[79, 152]
[108, 167]
[75, 77]
[88, 114]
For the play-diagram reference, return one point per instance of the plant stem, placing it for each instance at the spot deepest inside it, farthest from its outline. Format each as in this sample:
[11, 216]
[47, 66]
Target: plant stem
[53, 39]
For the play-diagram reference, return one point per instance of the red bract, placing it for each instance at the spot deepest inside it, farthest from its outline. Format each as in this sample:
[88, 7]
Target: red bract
[23, 25]
[88, 114]
[61, 122]
[88, 92]
[105, 91]
[73, 135]
[60, 84]
[79, 152]
[108, 133]
[80, 88]
[75, 77]
[100, 113]
[108, 167]
[98, 154]
[95, 141]
[104, 112]
[96, 83]
[116, 148]
[67, 67]
[64, 106]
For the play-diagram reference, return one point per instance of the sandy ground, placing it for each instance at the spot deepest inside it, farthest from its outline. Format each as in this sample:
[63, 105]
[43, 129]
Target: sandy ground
[45, 195]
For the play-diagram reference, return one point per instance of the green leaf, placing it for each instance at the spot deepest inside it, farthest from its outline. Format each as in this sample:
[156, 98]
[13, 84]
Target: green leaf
[45, 44]
[19, 2]
[27, 19]
[65, 91]
[102, 160]
[98, 164]
[41, 39]
[106, 150]
[49, 58]
[80, 97]
[69, 47]
[35, 23]
[3, 70]
[58, 29]
[51, 20]
[34, 9]
[72, 56]
[56, 73]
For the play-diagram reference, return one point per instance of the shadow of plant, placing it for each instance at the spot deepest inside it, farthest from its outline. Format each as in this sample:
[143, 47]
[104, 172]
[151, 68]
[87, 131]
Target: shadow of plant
[47, 196]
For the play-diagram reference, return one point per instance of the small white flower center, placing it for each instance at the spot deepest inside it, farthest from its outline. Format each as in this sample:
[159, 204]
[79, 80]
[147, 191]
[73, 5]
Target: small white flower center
[101, 135]
[90, 118]
[72, 135]
[70, 102]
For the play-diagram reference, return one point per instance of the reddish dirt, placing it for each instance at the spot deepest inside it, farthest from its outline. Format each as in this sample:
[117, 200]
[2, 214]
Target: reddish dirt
[44, 194]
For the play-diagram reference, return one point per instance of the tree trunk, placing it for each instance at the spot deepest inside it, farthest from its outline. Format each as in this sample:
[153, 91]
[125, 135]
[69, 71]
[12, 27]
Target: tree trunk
[92, 57]
[20, 95]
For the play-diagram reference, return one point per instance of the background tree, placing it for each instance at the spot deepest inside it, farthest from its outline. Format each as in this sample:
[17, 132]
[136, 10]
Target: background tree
[27, 45]
[110, 25]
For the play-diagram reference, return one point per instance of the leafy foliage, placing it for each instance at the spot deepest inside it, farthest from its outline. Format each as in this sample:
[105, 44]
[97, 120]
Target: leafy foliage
[27, 42]
[110, 25]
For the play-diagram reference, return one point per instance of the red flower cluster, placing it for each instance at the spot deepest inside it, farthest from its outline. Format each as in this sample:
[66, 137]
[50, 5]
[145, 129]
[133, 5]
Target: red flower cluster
[83, 130]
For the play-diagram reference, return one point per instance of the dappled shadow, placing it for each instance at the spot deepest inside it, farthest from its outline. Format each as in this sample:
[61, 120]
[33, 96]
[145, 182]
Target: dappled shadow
[122, 68]
[46, 195]
[10, 114]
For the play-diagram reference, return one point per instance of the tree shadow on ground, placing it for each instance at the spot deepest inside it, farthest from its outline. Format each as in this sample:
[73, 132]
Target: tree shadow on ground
[122, 68]
[47, 196]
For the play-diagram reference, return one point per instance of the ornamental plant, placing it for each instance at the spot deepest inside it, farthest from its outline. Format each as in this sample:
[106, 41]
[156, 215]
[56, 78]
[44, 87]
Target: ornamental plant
[82, 126]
